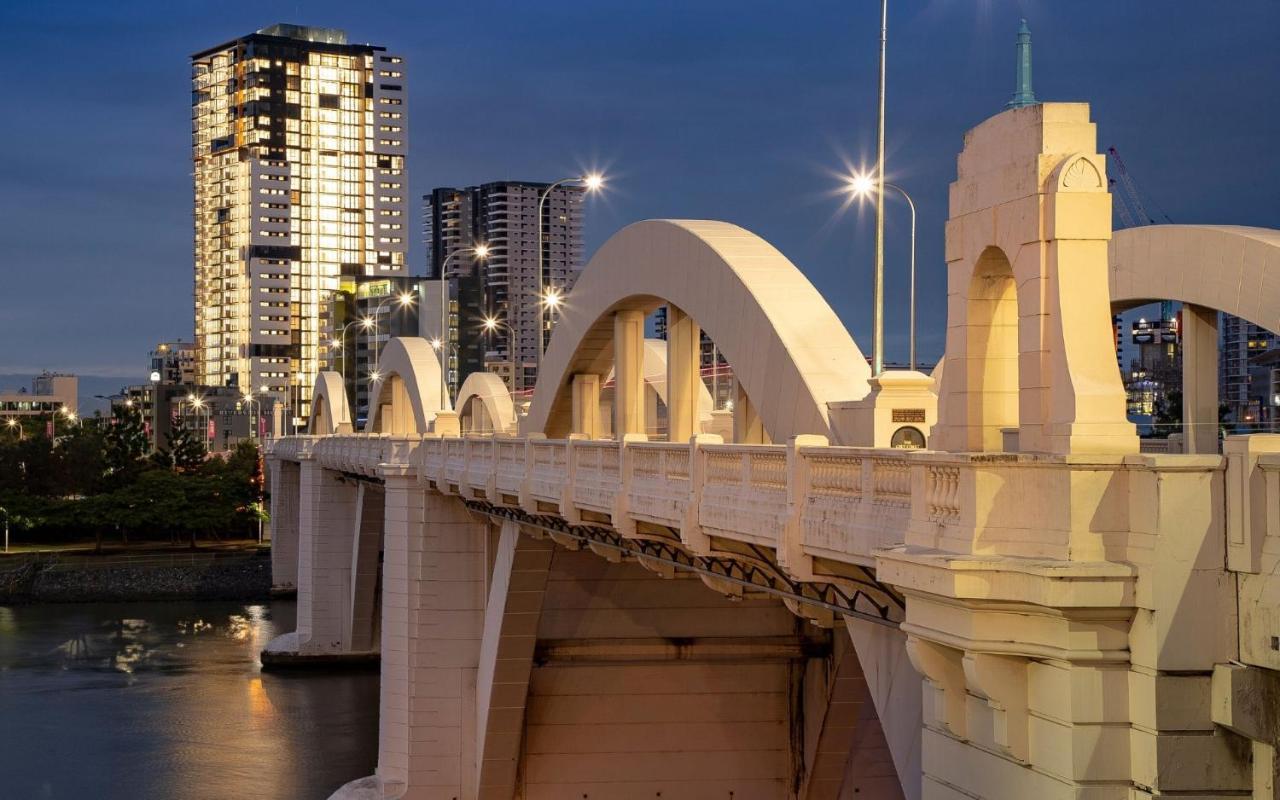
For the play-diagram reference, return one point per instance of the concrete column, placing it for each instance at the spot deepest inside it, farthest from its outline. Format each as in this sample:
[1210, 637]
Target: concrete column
[628, 372]
[363, 605]
[433, 615]
[326, 528]
[1200, 379]
[684, 339]
[516, 591]
[586, 405]
[747, 426]
[284, 525]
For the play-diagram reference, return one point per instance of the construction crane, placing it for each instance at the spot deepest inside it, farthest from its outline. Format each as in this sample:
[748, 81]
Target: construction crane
[1130, 208]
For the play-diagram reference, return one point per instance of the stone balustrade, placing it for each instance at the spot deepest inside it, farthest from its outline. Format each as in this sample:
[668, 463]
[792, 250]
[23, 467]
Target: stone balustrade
[808, 499]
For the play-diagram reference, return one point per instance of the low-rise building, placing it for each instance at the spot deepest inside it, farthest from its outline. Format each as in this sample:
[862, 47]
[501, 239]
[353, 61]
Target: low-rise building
[50, 392]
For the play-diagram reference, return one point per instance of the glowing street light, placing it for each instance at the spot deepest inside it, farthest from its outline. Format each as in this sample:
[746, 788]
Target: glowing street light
[593, 182]
[862, 186]
[404, 300]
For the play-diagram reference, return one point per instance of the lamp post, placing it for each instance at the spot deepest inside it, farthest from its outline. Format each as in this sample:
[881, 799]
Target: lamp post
[405, 299]
[593, 182]
[13, 424]
[364, 322]
[492, 324]
[877, 308]
[199, 404]
[256, 404]
[481, 252]
[863, 185]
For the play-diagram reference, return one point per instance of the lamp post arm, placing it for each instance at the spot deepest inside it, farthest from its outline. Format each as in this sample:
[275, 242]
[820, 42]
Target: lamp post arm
[541, 275]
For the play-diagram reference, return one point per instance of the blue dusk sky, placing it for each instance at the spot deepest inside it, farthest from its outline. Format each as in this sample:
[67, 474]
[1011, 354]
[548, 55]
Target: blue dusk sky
[736, 110]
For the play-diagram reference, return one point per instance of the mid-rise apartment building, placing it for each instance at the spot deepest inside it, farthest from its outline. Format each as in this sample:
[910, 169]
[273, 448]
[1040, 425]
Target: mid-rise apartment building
[506, 285]
[299, 141]
[1247, 386]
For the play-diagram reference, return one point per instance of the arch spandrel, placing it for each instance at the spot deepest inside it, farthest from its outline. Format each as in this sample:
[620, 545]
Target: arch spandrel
[330, 411]
[409, 372]
[788, 348]
[1230, 268]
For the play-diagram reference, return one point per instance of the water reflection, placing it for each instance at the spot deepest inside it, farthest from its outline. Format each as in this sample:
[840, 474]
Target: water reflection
[168, 701]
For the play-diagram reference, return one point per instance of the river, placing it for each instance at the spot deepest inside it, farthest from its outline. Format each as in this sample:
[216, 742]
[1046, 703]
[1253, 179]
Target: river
[167, 701]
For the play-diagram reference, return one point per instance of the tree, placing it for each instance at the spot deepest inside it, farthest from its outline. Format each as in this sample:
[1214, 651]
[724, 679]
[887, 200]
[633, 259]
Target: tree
[187, 452]
[127, 441]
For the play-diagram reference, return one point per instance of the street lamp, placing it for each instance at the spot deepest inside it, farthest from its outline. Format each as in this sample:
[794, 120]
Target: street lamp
[593, 182]
[405, 299]
[256, 404]
[364, 322]
[481, 252]
[12, 424]
[199, 404]
[861, 186]
[490, 326]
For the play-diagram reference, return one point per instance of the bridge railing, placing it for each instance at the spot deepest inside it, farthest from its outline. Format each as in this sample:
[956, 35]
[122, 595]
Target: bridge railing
[363, 453]
[744, 492]
[808, 499]
[657, 478]
[597, 475]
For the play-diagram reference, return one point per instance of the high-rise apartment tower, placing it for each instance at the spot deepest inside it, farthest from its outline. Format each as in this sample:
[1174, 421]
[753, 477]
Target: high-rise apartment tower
[299, 143]
[506, 285]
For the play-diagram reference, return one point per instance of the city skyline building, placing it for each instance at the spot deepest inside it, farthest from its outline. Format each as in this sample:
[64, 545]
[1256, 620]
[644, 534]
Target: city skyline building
[503, 215]
[299, 142]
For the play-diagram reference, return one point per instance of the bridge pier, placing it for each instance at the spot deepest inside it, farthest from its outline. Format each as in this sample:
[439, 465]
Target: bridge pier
[284, 525]
[329, 524]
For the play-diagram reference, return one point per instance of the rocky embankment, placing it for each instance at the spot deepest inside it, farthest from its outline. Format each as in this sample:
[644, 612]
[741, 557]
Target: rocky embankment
[84, 579]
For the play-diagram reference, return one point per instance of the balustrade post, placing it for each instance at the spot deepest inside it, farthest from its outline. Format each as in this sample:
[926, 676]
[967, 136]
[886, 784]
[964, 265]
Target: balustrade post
[791, 556]
[691, 533]
[526, 483]
[567, 509]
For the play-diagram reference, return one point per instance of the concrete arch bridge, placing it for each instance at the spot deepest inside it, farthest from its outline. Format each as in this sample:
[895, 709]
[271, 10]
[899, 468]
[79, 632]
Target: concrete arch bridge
[777, 603]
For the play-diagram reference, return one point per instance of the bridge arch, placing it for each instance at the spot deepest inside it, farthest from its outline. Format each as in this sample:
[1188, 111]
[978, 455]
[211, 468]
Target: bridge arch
[1209, 268]
[330, 411]
[1230, 268]
[406, 396]
[789, 351]
[484, 404]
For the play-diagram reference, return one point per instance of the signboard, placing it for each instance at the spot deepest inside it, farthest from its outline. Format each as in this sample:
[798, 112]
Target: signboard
[209, 435]
[908, 415]
[907, 438]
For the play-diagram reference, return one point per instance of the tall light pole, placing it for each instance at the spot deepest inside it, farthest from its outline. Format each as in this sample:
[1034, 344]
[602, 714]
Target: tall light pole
[593, 182]
[863, 185]
[877, 308]
[480, 252]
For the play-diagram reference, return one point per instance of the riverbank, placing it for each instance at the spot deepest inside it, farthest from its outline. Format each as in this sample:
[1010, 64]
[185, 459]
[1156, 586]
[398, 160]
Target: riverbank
[237, 575]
